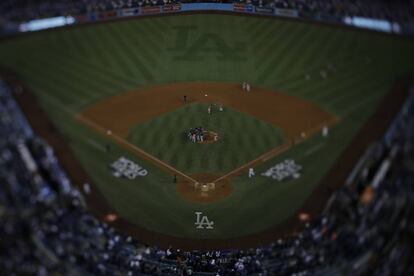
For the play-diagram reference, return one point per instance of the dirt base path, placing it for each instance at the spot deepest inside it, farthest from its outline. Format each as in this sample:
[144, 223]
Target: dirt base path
[206, 190]
[97, 204]
[121, 112]
[298, 118]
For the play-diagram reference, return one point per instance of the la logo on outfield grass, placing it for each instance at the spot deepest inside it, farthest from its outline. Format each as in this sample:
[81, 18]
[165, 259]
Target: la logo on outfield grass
[203, 222]
[193, 44]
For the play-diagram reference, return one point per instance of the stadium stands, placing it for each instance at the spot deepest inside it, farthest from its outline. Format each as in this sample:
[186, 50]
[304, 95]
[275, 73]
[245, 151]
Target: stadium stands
[398, 11]
[45, 227]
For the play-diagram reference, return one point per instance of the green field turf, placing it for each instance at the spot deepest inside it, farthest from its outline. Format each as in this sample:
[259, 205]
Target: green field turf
[71, 69]
[164, 137]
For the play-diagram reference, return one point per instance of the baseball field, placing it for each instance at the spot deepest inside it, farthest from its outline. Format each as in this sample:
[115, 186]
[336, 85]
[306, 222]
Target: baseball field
[117, 90]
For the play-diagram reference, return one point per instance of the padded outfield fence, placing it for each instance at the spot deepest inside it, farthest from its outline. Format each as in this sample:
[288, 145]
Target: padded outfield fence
[373, 24]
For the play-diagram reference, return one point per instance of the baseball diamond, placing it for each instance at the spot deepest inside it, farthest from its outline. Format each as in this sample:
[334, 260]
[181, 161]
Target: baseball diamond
[124, 94]
[293, 115]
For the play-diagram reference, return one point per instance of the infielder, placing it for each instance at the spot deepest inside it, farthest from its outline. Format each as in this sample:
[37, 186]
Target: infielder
[247, 87]
[325, 131]
[251, 172]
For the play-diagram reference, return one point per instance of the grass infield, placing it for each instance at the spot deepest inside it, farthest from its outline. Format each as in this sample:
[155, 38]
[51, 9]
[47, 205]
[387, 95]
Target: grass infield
[343, 71]
[242, 138]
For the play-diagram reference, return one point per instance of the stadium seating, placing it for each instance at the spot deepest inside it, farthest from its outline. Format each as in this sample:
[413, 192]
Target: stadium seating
[396, 11]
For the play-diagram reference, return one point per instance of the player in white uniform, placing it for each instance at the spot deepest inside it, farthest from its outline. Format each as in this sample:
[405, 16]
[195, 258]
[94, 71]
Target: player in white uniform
[251, 172]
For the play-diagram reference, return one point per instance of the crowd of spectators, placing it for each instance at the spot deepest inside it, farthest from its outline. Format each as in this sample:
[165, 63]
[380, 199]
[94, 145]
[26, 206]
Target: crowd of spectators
[45, 228]
[399, 11]
[396, 11]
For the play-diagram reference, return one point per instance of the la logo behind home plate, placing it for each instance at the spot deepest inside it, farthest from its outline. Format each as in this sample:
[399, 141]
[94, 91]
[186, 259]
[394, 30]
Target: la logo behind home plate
[203, 222]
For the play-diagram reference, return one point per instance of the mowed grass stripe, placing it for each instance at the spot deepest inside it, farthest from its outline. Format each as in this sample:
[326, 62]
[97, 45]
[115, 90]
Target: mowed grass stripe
[259, 43]
[135, 204]
[276, 55]
[361, 109]
[66, 71]
[151, 36]
[108, 80]
[296, 82]
[69, 75]
[151, 30]
[113, 50]
[312, 50]
[134, 62]
[290, 55]
[92, 36]
[74, 43]
[251, 23]
[49, 88]
[359, 96]
[237, 132]
[318, 86]
[148, 38]
[140, 45]
[273, 45]
[342, 84]
[161, 26]
[156, 39]
[273, 30]
[259, 27]
[94, 59]
[273, 33]
[354, 88]
[366, 90]
[122, 55]
[56, 85]
[317, 89]
[105, 60]
[258, 32]
[321, 89]
[111, 78]
[280, 40]
[331, 55]
[345, 68]
[125, 66]
[77, 40]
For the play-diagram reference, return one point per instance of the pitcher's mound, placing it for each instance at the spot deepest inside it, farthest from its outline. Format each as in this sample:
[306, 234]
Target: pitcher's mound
[205, 190]
[210, 137]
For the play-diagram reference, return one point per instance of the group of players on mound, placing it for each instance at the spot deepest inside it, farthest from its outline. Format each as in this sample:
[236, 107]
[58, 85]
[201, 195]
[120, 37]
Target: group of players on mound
[196, 135]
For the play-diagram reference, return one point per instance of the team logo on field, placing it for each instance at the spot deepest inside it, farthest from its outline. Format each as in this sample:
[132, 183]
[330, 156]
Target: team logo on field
[124, 167]
[285, 170]
[194, 45]
[202, 222]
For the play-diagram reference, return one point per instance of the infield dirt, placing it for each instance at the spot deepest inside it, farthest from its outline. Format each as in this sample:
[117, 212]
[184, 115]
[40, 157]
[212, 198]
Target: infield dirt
[195, 192]
[97, 204]
[121, 112]
[115, 116]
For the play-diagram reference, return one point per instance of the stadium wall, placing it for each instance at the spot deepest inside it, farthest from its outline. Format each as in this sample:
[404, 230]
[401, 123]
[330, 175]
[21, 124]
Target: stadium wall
[62, 21]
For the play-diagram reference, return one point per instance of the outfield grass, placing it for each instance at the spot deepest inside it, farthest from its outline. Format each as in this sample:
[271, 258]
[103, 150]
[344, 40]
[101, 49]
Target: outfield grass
[242, 139]
[71, 69]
